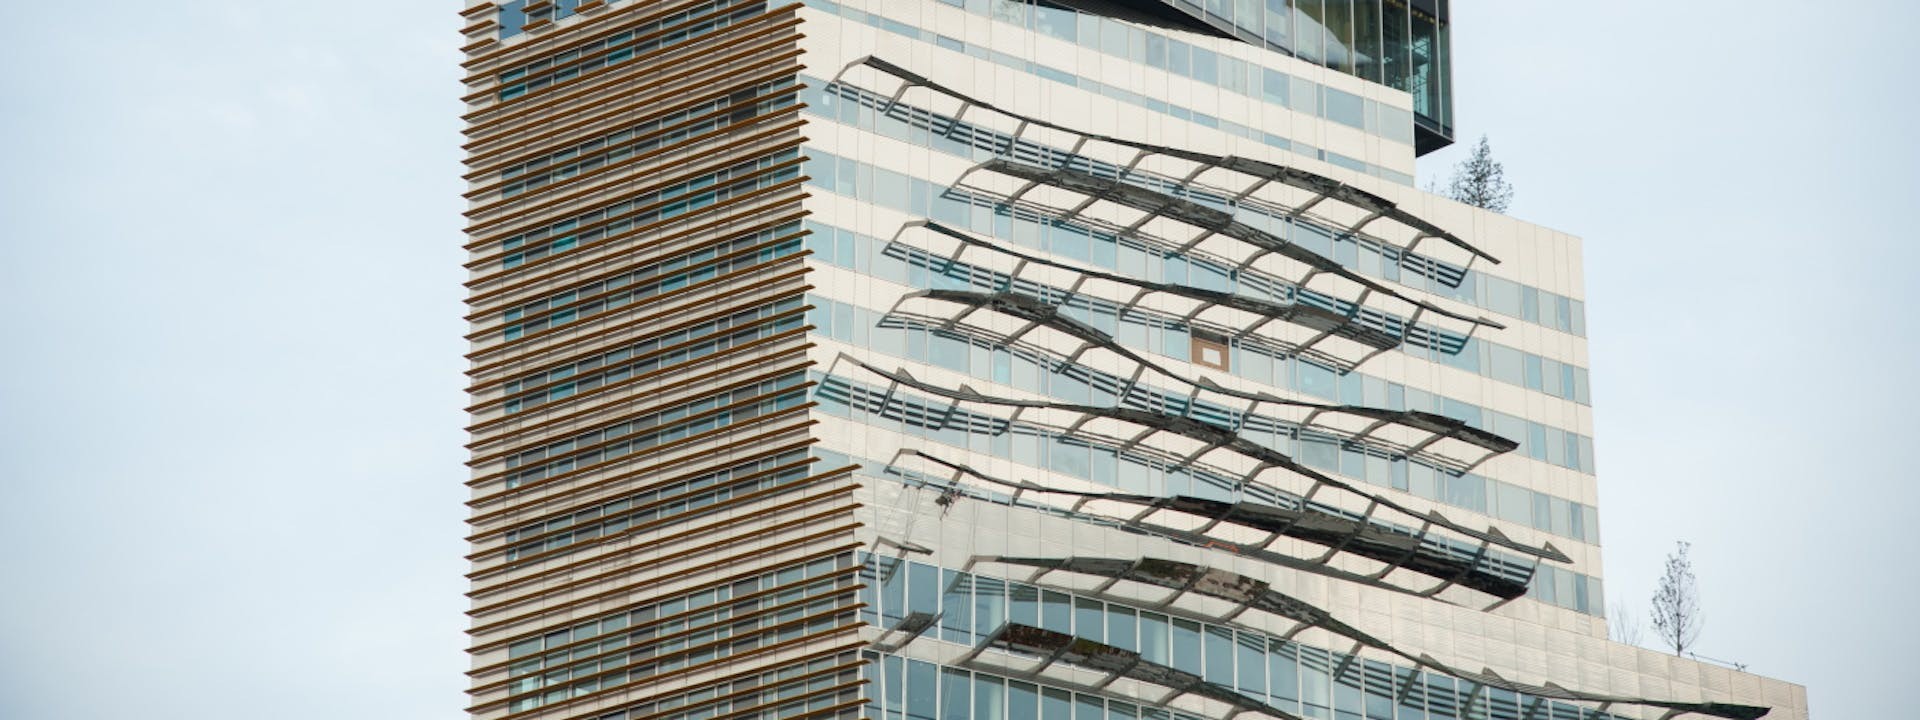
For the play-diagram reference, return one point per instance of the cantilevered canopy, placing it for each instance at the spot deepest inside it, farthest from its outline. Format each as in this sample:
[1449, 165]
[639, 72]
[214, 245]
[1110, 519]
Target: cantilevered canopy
[1021, 152]
[1205, 438]
[1055, 647]
[1038, 313]
[1341, 334]
[1150, 516]
[1252, 594]
[1320, 187]
[1244, 592]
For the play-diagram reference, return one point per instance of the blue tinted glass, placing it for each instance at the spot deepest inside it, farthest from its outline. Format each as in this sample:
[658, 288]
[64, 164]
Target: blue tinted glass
[956, 695]
[989, 698]
[1345, 108]
[921, 681]
[1179, 58]
[1058, 22]
[1250, 663]
[1206, 66]
[1219, 655]
[1023, 701]
[1186, 645]
[1088, 707]
[1089, 619]
[1153, 638]
[1274, 87]
[1283, 673]
[1317, 381]
[1055, 704]
[1056, 611]
[989, 605]
[512, 18]
[956, 604]
[1121, 632]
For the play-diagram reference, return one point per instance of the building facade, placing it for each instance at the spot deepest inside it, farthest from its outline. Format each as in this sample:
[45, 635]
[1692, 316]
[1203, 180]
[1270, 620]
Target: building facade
[1015, 360]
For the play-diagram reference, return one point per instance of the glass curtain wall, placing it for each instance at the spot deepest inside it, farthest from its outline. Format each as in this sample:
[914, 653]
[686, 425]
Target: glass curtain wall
[1398, 43]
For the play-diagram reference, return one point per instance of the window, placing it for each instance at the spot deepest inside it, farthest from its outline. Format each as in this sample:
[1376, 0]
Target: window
[1209, 350]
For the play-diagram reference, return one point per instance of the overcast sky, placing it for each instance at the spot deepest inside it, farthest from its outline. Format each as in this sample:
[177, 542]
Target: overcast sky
[230, 390]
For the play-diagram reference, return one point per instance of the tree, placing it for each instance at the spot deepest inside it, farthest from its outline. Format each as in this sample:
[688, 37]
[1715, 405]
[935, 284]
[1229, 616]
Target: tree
[1622, 624]
[1676, 605]
[1480, 181]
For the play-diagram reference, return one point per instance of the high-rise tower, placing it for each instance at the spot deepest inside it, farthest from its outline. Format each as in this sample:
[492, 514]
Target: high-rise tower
[1015, 360]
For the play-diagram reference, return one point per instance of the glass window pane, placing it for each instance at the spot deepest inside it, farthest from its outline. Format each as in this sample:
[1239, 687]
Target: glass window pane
[989, 605]
[1219, 652]
[1055, 704]
[1338, 19]
[1153, 638]
[956, 695]
[1058, 22]
[1088, 707]
[1250, 665]
[1283, 674]
[1309, 32]
[989, 698]
[1056, 611]
[1279, 19]
[1206, 66]
[921, 680]
[957, 604]
[1366, 39]
[1186, 645]
[1023, 701]
[1120, 628]
[1025, 608]
[1089, 619]
[1346, 108]
[1346, 685]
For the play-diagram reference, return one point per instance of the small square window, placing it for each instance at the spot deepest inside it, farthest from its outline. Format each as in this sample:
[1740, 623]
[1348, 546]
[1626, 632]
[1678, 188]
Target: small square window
[1211, 352]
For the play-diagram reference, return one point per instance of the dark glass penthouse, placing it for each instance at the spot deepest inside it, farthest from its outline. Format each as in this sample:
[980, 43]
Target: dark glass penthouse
[1398, 43]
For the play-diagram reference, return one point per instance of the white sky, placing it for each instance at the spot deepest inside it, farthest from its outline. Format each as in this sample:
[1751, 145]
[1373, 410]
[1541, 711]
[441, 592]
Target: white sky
[230, 390]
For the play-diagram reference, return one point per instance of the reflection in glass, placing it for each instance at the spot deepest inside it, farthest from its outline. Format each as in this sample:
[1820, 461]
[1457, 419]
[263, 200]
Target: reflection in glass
[1338, 20]
[1308, 32]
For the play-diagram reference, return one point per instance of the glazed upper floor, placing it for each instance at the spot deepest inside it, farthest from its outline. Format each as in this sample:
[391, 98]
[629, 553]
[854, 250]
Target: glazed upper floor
[1401, 44]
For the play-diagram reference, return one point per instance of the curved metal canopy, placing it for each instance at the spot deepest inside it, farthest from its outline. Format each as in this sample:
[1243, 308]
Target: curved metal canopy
[1213, 437]
[1038, 312]
[1322, 187]
[1481, 563]
[1057, 647]
[1250, 593]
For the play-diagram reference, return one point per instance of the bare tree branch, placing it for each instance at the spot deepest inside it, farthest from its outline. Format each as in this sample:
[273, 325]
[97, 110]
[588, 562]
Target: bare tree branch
[1623, 625]
[1676, 605]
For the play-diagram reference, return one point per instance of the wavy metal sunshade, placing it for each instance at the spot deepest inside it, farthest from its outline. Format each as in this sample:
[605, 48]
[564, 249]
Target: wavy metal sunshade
[1248, 593]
